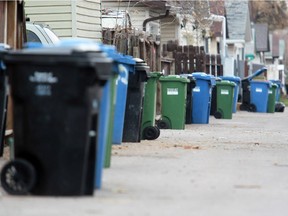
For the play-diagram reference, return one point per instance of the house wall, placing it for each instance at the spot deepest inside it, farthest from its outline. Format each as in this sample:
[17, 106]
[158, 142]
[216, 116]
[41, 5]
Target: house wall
[68, 18]
[138, 13]
[88, 19]
[168, 30]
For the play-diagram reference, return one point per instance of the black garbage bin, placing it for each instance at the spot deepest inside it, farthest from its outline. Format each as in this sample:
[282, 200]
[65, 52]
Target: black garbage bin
[55, 93]
[213, 108]
[189, 98]
[134, 103]
[3, 97]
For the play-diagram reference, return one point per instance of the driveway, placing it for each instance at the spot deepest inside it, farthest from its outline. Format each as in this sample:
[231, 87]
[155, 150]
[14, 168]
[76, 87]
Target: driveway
[235, 167]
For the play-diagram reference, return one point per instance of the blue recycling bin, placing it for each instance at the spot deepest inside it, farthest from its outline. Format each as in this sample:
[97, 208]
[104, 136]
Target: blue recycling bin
[278, 90]
[102, 133]
[259, 92]
[237, 81]
[202, 97]
[126, 66]
[113, 104]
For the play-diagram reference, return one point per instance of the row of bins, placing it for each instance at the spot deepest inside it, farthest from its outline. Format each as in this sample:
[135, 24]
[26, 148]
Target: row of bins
[261, 95]
[71, 103]
[192, 98]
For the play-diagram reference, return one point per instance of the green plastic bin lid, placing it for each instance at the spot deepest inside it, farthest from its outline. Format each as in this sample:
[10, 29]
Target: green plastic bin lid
[225, 83]
[175, 78]
[155, 74]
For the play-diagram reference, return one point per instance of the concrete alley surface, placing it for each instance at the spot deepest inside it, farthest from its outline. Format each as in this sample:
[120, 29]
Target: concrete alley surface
[235, 167]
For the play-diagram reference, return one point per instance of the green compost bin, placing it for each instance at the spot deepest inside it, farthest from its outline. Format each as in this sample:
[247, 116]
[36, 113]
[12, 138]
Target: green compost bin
[224, 99]
[173, 102]
[149, 130]
[113, 89]
[272, 98]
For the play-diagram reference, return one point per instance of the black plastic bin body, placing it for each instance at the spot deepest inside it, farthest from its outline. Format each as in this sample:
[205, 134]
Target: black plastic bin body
[56, 93]
[213, 108]
[134, 103]
[3, 98]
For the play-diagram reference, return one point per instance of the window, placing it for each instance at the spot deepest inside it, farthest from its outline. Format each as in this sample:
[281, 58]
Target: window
[32, 37]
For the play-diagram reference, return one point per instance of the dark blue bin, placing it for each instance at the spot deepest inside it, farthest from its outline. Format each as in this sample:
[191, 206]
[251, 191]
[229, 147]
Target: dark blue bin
[202, 97]
[126, 66]
[259, 93]
[237, 81]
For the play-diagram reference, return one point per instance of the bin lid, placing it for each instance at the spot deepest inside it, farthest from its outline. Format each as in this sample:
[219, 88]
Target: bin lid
[118, 58]
[3, 51]
[255, 74]
[79, 53]
[4, 46]
[201, 75]
[141, 65]
[278, 82]
[204, 76]
[274, 85]
[175, 78]
[155, 74]
[231, 78]
[189, 76]
[225, 83]
[268, 83]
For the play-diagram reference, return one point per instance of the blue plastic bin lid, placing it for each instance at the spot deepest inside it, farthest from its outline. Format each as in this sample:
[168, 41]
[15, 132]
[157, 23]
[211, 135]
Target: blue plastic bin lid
[3, 50]
[204, 76]
[278, 82]
[231, 78]
[257, 73]
[31, 45]
[127, 60]
[79, 44]
[268, 83]
[201, 75]
[4, 46]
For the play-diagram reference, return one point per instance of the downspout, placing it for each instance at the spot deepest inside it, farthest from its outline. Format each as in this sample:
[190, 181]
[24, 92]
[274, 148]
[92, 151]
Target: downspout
[154, 18]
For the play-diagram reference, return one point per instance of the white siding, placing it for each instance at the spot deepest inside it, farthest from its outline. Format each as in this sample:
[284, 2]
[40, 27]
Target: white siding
[88, 22]
[137, 14]
[57, 14]
[168, 30]
[68, 18]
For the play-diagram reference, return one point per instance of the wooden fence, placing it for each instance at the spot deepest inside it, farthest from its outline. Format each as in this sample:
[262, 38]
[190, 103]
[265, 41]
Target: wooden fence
[189, 59]
[173, 59]
[136, 44]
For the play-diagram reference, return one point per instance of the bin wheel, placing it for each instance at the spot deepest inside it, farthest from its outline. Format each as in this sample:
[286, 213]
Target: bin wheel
[252, 108]
[243, 107]
[218, 115]
[150, 133]
[163, 124]
[158, 131]
[18, 177]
